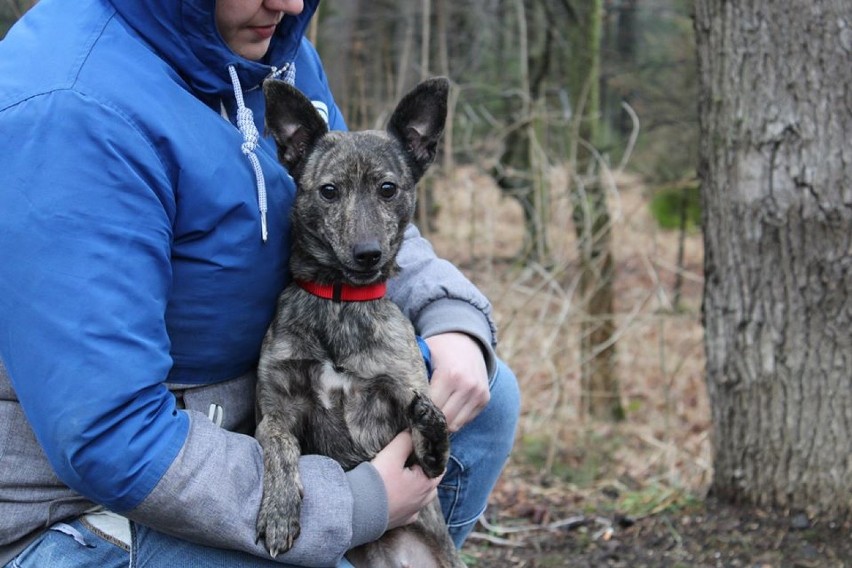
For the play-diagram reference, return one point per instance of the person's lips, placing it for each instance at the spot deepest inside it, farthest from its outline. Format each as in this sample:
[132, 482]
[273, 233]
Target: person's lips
[264, 32]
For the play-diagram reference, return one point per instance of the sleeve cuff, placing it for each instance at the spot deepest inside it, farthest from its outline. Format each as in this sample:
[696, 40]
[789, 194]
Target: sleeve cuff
[369, 504]
[450, 315]
[212, 492]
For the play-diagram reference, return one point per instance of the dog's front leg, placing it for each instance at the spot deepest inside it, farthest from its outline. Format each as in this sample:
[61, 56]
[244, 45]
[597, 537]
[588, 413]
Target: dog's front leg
[430, 434]
[278, 520]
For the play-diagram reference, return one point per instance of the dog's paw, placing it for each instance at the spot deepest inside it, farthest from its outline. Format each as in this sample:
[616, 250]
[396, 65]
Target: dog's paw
[278, 521]
[430, 435]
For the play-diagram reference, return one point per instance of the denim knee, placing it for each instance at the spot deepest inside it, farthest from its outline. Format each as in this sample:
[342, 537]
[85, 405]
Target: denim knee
[478, 453]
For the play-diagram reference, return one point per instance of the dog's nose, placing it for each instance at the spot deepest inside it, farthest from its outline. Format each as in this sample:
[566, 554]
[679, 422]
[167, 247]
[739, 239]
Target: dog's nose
[367, 254]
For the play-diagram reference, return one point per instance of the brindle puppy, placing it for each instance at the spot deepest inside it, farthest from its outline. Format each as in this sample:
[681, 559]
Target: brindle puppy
[336, 377]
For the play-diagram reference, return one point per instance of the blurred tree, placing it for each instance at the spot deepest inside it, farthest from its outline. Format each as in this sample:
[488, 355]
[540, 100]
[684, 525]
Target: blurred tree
[619, 51]
[518, 170]
[776, 169]
[10, 11]
[648, 61]
[601, 392]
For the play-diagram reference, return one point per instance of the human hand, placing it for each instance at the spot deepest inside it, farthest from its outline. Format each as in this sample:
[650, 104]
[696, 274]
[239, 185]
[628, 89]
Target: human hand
[459, 385]
[408, 488]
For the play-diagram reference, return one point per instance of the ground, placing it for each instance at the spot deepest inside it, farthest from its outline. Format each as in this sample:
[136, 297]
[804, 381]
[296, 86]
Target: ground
[580, 493]
[593, 530]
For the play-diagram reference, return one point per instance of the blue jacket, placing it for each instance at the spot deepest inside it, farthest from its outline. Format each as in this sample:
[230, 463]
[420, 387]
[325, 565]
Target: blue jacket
[132, 258]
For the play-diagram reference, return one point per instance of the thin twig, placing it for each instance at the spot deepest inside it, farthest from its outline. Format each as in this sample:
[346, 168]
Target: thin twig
[634, 135]
[495, 540]
[569, 523]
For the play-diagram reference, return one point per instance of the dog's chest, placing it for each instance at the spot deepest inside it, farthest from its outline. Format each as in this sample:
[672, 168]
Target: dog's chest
[353, 417]
[356, 368]
[334, 387]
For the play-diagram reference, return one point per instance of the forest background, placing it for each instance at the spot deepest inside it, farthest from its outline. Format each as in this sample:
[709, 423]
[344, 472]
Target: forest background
[527, 133]
[567, 191]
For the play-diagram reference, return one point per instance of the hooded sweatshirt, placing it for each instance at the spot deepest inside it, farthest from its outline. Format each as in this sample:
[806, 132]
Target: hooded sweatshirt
[144, 239]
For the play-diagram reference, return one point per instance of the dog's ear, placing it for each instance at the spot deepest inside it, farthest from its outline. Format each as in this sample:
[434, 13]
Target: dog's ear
[293, 121]
[418, 121]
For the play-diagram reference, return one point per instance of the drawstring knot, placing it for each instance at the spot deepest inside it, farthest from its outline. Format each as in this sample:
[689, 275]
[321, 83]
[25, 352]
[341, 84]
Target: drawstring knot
[245, 123]
[246, 126]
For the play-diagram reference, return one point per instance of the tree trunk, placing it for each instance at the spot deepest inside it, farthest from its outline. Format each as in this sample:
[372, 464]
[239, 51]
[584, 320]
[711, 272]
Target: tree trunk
[776, 169]
[519, 172]
[600, 388]
[11, 11]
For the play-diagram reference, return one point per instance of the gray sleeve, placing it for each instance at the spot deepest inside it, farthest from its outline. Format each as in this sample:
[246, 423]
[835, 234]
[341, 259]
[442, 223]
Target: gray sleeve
[212, 491]
[438, 298]
[369, 504]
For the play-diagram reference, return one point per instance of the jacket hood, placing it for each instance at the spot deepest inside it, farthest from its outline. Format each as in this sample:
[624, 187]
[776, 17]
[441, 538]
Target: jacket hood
[184, 33]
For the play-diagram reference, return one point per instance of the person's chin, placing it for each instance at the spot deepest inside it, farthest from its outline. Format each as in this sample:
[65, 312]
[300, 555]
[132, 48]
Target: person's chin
[253, 50]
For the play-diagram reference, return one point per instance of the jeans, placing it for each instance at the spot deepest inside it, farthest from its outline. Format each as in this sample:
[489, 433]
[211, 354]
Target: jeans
[478, 453]
[77, 544]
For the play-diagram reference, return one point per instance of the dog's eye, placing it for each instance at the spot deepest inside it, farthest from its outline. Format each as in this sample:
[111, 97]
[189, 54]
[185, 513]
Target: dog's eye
[387, 190]
[328, 192]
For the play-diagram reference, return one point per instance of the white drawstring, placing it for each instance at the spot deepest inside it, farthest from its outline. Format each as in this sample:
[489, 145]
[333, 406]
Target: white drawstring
[245, 122]
[286, 73]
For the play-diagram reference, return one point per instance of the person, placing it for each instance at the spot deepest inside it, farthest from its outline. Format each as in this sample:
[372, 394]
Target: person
[144, 240]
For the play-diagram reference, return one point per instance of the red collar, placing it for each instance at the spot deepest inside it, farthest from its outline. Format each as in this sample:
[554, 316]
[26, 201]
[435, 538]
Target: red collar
[345, 292]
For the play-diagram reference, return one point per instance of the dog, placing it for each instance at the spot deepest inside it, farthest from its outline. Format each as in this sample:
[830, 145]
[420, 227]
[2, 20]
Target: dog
[340, 371]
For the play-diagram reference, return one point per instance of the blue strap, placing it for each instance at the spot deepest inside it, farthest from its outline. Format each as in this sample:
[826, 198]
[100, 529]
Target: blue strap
[427, 356]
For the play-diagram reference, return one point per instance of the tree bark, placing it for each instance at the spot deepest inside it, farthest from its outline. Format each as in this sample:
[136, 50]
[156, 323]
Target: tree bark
[776, 170]
[516, 173]
[600, 386]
